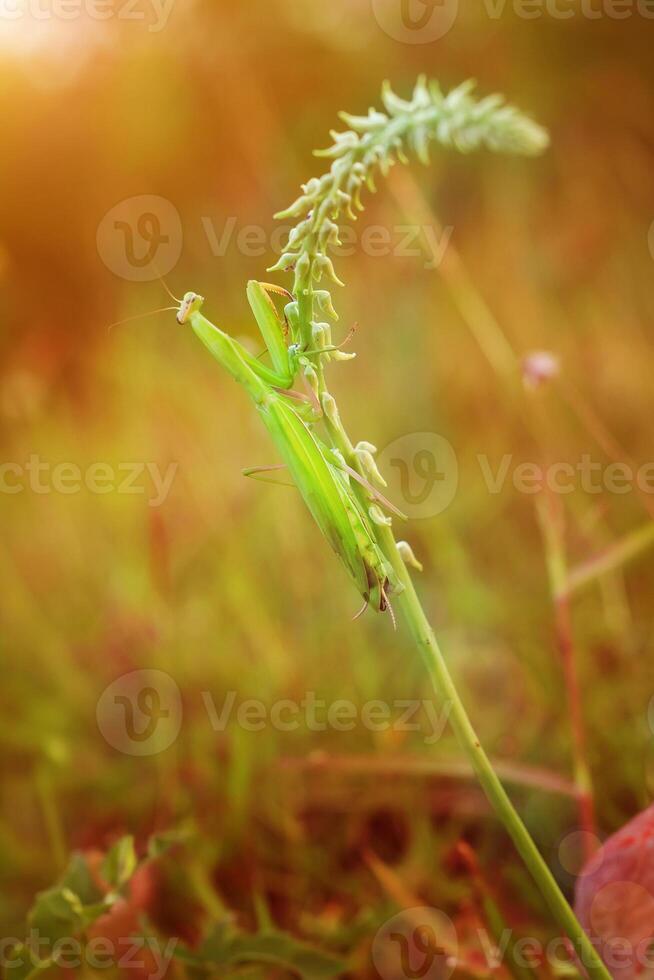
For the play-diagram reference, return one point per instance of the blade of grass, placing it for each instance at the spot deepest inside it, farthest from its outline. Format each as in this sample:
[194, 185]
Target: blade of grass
[504, 937]
[550, 518]
[622, 551]
[410, 766]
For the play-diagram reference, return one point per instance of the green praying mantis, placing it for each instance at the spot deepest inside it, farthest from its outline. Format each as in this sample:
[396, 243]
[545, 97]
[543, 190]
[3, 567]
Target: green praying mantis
[318, 471]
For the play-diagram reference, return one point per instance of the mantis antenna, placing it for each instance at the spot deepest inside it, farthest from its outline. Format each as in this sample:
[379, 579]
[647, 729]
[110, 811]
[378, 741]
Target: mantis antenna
[140, 316]
[163, 309]
[168, 290]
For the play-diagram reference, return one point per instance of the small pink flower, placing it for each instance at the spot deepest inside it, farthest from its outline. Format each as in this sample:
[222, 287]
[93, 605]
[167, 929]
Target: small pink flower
[538, 367]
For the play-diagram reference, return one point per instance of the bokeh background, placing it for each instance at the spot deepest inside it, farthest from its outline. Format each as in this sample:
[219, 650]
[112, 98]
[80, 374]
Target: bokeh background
[203, 117]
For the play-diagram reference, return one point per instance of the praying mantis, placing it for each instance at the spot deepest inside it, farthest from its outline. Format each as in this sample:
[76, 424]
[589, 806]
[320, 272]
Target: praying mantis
[317, 470]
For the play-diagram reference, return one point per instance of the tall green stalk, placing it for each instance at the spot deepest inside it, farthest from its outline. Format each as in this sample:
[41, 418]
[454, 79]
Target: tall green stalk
[373, 143]
[446, 689]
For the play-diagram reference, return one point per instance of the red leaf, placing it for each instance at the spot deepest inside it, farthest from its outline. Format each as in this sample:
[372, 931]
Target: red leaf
[614, 899]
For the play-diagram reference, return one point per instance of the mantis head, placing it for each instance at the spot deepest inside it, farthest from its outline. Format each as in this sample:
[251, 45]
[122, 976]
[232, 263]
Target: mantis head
[190, 304]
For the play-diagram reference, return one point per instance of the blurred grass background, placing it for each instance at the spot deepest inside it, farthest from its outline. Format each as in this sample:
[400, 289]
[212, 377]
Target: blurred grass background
[226, 586]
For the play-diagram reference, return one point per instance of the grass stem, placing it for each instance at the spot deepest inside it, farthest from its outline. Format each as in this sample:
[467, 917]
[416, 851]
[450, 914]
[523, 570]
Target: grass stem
[445, 688]
[551, 519]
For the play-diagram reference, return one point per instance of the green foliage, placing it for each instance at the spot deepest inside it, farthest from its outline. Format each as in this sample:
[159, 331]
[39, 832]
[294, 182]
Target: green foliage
[58, 913]
[22, 964]
[120, 863]
[75, 902]
[71, 905]
[78, 879]
[226, 947]
[65, 912]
